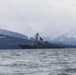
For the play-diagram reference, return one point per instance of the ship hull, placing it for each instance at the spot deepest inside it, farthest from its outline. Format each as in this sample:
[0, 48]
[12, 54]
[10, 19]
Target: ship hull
[35, 47]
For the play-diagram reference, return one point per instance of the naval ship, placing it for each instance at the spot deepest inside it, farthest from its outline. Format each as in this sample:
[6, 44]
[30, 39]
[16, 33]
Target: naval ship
[38, 43]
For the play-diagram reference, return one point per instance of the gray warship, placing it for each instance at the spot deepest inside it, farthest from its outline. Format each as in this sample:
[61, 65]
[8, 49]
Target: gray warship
[38, 43]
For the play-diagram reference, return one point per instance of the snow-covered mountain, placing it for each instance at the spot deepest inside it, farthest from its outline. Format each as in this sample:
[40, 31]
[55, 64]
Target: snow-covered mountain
[66, 38]
[12, 34]
[10, 40]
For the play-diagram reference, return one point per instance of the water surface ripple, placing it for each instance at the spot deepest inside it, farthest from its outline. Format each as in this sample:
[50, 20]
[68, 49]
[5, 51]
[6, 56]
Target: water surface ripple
[38, 62]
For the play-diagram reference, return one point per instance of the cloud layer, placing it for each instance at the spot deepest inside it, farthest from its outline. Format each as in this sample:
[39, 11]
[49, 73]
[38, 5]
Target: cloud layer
[46, 16]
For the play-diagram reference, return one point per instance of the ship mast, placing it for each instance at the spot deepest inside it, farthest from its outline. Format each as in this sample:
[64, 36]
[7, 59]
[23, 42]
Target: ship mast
[37, 35]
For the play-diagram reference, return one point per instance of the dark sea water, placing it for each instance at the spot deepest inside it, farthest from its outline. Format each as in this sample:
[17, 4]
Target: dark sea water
[38, 62]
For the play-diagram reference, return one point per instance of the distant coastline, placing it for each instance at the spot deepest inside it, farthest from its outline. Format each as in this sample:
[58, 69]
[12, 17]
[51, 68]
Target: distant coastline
[12, 40]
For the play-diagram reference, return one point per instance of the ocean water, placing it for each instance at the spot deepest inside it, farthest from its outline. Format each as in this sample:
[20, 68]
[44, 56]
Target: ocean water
[38, 62]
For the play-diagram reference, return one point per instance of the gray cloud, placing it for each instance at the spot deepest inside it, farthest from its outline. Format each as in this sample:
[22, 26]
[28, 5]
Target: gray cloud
[46, 16]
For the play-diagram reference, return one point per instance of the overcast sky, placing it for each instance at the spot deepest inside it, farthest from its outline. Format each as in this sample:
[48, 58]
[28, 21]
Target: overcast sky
[48, 17]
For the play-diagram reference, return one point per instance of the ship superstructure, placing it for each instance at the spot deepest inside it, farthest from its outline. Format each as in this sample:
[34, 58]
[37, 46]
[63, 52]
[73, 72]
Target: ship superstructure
[38, 43]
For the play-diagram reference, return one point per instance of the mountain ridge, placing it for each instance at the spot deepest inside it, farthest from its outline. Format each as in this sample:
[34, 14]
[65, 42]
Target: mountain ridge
[68, 38]
[11, 40]
[13, 34]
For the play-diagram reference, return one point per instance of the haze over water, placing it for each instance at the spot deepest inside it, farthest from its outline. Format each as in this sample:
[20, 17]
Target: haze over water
[38, 62]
